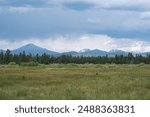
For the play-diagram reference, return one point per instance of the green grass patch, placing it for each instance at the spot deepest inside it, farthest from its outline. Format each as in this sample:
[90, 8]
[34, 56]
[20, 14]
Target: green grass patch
[75, 82]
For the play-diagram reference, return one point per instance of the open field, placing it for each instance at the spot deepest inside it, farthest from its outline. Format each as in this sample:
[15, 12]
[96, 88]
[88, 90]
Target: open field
[72, 81]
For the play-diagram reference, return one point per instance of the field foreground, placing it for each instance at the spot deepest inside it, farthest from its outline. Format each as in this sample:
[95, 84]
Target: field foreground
[72, 81]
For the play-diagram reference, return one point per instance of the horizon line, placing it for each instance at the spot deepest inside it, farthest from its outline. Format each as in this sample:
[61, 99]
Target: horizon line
[73, 50]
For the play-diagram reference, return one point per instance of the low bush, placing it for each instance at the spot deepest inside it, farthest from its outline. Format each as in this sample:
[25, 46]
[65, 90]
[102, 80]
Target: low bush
[12, 63]
[32, 63]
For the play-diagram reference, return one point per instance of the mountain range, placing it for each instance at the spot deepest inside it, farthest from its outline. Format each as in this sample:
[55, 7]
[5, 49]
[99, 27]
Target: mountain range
[33, 49]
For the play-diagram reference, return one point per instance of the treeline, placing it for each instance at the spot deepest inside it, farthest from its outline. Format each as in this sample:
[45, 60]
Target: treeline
[7, 57]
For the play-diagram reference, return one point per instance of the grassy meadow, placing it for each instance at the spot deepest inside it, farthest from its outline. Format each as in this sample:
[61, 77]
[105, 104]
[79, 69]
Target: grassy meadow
[73, 81]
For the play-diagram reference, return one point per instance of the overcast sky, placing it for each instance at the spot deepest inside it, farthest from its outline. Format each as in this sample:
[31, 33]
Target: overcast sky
[66, 25]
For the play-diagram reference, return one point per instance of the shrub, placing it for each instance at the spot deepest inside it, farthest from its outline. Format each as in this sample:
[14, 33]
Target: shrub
[12, 63]
[32, 63]
[141, 64]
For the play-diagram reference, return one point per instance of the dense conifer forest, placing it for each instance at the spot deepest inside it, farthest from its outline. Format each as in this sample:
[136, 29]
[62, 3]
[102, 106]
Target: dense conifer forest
[7, 57]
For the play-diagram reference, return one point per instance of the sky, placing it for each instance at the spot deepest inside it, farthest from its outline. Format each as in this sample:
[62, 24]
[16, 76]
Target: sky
[73, 25]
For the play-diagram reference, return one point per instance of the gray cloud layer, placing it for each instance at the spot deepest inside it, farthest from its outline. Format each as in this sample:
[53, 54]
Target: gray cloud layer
[47, 19]
[136, 5]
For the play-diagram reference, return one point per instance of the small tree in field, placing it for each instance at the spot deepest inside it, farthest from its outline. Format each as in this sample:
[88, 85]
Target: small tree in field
[8, 56]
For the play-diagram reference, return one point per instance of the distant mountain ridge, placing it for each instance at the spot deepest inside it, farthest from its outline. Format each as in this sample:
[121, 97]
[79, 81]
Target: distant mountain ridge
[33, 49]
[1, 50]
[118, 52]
[94, 52]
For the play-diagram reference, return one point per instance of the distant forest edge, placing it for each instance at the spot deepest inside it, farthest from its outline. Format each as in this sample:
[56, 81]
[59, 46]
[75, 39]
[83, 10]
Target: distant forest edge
[8, 58]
